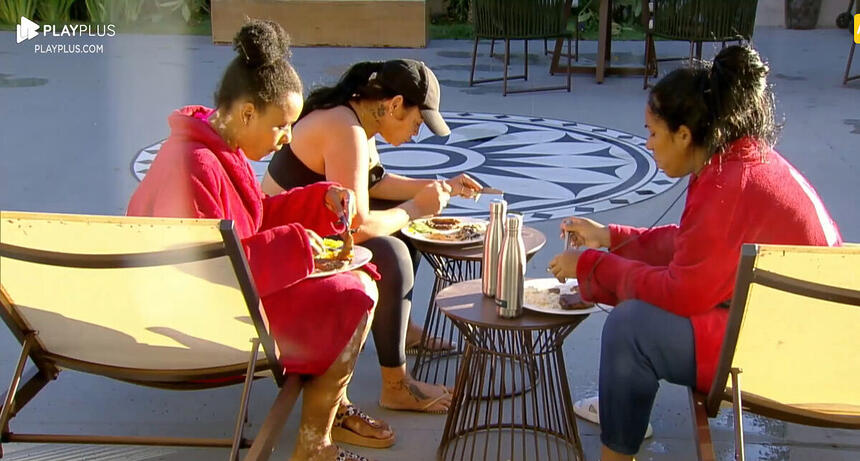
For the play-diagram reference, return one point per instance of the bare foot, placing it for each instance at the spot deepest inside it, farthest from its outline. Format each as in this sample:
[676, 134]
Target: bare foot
[411, 395]
[413, 341]
[413, 334]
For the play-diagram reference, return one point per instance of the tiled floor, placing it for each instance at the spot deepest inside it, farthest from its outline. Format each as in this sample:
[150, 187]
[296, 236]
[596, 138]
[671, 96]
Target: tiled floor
[548, 168]
[74, 128]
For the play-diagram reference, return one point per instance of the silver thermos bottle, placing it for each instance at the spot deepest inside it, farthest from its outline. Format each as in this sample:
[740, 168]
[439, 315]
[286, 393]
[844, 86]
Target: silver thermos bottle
[512, 270]
[493, 246]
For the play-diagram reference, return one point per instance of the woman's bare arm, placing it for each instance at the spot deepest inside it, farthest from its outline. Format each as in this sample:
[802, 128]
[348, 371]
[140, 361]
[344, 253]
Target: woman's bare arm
[397, 187]
[346, 154]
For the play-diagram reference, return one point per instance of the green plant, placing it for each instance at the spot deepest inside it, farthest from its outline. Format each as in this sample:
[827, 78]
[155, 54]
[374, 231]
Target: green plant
[626, 16]
[12, 10]
[55, 11]
[459, 9]
[189, 9]
[114, 11]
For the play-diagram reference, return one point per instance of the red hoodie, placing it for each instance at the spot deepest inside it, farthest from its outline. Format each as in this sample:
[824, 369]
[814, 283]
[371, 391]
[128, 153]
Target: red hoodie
[197, 175]
[741, 196]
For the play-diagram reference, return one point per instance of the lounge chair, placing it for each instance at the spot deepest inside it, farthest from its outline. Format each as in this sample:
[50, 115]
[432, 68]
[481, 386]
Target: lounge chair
[167, 303]
[791, 343]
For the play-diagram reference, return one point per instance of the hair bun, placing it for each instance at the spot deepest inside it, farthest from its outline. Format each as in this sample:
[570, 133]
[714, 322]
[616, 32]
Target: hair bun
[261, 42]
[740, 66]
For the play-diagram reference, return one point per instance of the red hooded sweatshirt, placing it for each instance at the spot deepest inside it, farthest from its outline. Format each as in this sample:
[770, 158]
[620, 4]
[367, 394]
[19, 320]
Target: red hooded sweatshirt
[197, 175]
[741, 196]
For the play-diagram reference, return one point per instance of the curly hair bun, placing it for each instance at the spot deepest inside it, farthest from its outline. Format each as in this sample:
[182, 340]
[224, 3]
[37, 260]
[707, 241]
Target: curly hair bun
[261, 42]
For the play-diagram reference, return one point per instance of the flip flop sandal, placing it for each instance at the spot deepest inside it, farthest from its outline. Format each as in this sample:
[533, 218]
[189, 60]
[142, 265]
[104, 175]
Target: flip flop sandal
[414, 348]
[588, 409]
[424, 408]
[346, 455]
[341, 433]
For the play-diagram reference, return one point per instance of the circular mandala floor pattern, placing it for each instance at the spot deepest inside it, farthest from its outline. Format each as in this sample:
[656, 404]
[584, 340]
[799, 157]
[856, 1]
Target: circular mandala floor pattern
[548, 168]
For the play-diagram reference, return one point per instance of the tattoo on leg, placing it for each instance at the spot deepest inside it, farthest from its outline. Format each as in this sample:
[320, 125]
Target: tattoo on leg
[416, 391]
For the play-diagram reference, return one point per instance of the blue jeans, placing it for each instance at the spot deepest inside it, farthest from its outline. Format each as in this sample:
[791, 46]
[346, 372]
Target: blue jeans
[641, 344]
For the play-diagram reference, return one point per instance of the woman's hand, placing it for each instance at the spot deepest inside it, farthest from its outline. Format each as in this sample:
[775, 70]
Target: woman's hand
[432, 199]
[464, 186]
[586, 232]
[317, 245]
[341, 202]
[563, 265]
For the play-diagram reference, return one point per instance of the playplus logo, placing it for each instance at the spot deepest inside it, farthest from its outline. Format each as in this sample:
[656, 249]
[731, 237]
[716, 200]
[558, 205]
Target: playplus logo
[28, 29]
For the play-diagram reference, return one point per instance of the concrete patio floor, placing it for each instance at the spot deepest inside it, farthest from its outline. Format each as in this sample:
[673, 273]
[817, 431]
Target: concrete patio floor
[72, 125]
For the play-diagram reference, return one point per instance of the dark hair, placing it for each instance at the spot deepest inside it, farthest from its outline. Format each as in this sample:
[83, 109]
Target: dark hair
[357, 82]
[719, 102]
[260, 70]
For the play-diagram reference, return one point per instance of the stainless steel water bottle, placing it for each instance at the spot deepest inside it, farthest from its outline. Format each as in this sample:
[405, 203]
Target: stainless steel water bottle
[492, 246]
[512, 269]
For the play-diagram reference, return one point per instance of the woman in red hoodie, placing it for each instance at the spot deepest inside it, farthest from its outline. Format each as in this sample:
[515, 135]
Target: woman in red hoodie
[671, 284]
[202, 171]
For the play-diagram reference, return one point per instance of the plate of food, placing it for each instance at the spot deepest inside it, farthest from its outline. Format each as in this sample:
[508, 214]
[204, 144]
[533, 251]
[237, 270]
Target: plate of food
[549, 296]
[447, 230]
[335, 258]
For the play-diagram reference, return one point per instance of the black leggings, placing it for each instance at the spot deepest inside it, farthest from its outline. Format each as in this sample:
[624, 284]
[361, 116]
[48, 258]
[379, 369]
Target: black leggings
[396, 260]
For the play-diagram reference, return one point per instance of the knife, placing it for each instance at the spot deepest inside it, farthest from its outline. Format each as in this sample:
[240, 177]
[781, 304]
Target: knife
[491, 190]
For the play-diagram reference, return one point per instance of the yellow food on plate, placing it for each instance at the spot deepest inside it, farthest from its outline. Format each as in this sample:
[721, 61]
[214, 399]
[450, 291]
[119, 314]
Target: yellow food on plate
[331, 248]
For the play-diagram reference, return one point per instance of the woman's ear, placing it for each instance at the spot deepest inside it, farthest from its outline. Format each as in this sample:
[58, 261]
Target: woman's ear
[394, 103]
[246, 112]
[684, 136]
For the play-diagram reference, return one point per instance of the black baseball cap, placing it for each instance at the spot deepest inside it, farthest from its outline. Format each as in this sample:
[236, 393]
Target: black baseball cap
[418, 85]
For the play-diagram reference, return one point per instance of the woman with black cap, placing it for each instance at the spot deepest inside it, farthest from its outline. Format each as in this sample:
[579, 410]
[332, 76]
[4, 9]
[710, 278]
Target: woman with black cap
[334, 140]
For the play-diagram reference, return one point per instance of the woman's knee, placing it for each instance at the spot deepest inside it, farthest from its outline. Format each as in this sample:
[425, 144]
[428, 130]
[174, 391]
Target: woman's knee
[621, 320]
[621, 325]
[368, 285]
[393, 260]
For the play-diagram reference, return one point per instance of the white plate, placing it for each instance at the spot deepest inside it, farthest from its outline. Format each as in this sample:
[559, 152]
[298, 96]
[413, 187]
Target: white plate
[407, 231]
[360, 257]
[546, 284]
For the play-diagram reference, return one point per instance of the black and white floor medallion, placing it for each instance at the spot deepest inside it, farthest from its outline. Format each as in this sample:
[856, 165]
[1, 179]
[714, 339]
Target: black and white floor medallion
[548, 168]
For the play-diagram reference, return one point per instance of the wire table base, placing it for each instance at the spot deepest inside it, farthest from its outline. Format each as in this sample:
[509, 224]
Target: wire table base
[450, 266]
[536, 424]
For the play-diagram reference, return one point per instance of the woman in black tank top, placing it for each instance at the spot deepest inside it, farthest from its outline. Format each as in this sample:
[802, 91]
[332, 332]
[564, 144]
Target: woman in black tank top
[334, 140]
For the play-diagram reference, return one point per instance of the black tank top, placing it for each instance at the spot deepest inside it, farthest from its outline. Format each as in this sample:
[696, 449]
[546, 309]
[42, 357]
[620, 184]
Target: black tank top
[289, 171]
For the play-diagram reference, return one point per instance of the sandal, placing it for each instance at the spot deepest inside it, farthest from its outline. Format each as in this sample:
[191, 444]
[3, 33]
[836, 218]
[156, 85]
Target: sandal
[340, 432]
[346, 455]
[439, 345]
[588, 409]
[423, 405]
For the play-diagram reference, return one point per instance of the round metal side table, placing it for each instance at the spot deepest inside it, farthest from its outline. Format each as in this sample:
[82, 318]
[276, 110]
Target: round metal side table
[482, 423]
[452, 264]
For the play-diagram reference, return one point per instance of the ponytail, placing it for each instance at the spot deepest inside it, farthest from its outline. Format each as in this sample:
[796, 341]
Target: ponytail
[350, 85]
[359, 82]
[719, 102]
